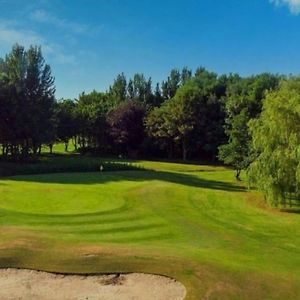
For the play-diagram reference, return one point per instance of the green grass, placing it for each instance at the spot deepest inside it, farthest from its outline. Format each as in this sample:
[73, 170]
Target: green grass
[59, 148]
[47, 198]
[192, 222]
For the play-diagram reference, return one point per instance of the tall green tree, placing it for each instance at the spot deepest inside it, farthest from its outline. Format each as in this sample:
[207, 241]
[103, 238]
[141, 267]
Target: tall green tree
[160, 126]
[66, 122]
[29, 94]
[127, 127]
[243, 102]
[175, 80]
[172, 84]
[237, 152]
[182, 112]
[40, 94]
[186, 75]
[91, 113]
[5, 110]
[140, 89]
[157, 97]
[276, 142]
[192, 120]
[118, 91]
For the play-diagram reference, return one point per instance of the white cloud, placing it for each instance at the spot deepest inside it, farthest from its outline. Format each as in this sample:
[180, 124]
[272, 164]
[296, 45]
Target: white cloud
[294, 5]
[10, 34]
[43, 16]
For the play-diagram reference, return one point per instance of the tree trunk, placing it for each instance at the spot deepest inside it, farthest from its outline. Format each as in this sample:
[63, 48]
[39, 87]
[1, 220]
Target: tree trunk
[170, 152]
[237, 175]
[75, 143]
[66, 146]
[4, 150]
[25, 149]
[184, 150]
[34, 150]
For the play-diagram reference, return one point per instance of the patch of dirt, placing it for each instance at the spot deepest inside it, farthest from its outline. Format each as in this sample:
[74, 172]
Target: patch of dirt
[35, 285]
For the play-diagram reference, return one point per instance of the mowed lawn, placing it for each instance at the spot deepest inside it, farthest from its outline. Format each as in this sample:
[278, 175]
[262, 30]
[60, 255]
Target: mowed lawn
[191, 222]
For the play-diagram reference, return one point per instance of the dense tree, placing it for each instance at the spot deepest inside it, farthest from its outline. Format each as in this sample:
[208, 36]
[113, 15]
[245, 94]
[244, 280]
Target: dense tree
[66, 122]
[140, 89]
[186, 75]
[160, 126]
[40, 98]
[243, 102]
[209, 132]
[91, 113]
[157, 97]
[5, 110]
[127, 127]
[172, 84]
[182, 112]
[174, 81]
[118, 91]
[237, 152]
[276, 142]
[192, 119]
[28, 101]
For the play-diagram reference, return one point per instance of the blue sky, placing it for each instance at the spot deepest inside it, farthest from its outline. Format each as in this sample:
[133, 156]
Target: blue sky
[87, 43]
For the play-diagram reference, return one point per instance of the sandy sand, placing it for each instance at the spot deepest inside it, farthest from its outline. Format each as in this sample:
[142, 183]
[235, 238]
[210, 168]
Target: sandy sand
[31, 285]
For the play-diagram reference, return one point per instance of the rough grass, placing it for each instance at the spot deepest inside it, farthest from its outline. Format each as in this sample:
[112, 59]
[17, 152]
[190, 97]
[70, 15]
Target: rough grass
[194, 223]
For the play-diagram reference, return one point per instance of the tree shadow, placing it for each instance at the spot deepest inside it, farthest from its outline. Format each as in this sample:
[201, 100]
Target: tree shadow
[291, 210]
[138, 176]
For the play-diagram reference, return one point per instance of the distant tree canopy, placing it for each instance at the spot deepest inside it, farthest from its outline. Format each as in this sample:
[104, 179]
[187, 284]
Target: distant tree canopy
[241, 121]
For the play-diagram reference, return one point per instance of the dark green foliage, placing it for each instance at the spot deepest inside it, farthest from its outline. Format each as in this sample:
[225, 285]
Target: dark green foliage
[175, 80]
[127, 127]
[118, 91]
[192, 120]
[159, 126]
[91, 112]
[171, 85]
[244, 102]
[237, 152]
[66, 122]
[140, 89]
[27, 102]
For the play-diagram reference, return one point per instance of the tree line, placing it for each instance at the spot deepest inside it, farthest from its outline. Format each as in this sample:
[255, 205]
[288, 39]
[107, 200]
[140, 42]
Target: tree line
[250, 123]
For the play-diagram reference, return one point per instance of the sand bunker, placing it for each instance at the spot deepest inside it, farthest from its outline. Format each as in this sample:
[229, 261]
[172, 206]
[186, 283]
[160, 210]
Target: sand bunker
[25, 284]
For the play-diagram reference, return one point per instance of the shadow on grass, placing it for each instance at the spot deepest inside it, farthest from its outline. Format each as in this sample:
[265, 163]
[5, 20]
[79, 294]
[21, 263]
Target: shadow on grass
[130, 175]
[291, 210]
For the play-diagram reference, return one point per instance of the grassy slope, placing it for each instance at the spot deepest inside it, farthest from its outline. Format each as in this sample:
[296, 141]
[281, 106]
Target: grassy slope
[194, 223]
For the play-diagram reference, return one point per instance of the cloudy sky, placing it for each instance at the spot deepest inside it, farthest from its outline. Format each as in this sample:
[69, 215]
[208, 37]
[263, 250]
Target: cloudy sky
[88, 42]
